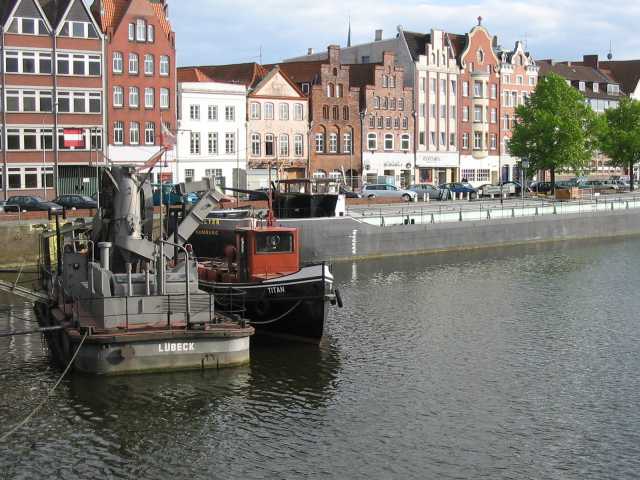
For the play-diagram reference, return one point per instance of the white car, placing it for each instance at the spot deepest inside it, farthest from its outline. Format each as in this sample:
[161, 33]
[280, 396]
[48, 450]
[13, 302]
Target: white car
[388, 191]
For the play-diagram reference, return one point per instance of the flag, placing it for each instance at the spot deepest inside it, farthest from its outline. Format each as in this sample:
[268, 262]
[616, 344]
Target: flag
[167, 137]
[73, 138]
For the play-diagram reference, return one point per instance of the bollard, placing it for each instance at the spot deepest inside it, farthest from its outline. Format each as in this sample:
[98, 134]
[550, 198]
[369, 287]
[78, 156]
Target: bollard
[612, 206]
[513, 213]
[460, 216]
[555, 211]
[627, 206]
[536, 211]
[468, 196]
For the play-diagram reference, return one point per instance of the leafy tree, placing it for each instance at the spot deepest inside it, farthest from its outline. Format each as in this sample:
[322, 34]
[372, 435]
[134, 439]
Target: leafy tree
[619, 135]
[555, 129]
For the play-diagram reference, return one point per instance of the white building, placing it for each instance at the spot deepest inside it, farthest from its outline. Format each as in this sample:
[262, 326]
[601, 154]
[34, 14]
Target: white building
[212, 133]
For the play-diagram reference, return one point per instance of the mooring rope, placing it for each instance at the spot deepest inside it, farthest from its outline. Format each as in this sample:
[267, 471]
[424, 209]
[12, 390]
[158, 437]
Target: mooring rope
[273, 320]
[46, 399]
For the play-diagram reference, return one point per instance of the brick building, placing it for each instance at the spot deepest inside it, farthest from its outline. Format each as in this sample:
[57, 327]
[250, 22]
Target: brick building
[140, 76]
[52, 81]
[335, 133]
[388, 121]
[479, 102]
[519, 77]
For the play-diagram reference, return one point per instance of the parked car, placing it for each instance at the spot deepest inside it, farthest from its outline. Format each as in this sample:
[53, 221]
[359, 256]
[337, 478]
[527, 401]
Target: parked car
[31, 203]
[458, 188]
[541, 187]
[348, 193]
[171, 197]
[388, 191]
[515, 188]
[598, 186]
[488, 190]
[423, 189]
[76, 202]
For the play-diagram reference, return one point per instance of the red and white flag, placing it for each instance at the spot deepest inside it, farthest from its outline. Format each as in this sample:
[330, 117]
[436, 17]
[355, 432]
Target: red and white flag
[73, 138]
[167, 137]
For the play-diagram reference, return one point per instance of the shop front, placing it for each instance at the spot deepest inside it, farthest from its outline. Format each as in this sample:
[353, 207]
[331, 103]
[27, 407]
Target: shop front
[437, 168]
[394, 169]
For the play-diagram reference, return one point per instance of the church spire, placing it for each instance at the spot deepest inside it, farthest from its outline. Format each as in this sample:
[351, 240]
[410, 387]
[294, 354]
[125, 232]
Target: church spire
[349, 34]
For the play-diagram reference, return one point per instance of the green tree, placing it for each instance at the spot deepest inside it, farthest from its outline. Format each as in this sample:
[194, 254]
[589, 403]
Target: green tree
[619, 135]
[555, 129]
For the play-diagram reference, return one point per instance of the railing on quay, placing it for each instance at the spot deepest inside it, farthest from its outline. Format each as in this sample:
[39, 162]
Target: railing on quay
[486, 211]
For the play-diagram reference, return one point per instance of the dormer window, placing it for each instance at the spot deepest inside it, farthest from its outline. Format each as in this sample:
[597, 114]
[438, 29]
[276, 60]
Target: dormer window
[613, 89]
[28, 26]
[141, 30]
[596, 87]
[582, 86]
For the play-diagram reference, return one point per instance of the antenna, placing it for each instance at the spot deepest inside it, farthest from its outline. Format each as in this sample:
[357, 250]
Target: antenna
[260, 55]
[610, 54]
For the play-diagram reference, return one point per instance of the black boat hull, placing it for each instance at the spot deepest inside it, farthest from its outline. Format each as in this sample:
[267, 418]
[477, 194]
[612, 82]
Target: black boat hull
[293, 307]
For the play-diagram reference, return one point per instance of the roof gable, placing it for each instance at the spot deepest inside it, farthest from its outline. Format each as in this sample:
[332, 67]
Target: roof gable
[276, 84]
[77, 11]
[25, 8]
[111, 12]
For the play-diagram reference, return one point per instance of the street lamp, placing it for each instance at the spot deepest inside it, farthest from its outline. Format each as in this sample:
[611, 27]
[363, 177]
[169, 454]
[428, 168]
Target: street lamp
[363, 115]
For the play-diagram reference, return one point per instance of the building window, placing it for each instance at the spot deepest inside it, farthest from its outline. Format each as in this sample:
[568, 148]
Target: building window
[164, 98]
[433, 110]
[468, 174]
[305, 88]
[346, 143]
[494, 115]
[117, 62]
[376, 102]
[388, 141]
[298, 145]
[298, 112]
[149, 95]
[134, 97]
[164, 65]
[477, 89]
[132, 32]
[150, 133]
[150, 33]
[67, 64]
[483, 174]
[255, 111]
[255, 144]
[194, 144]
[148, 64]
[405, 123]
[443, 111]
[77, 29]
[268, 111]
[141, 30]
[581, 86]
[118, 133]
[453, 112]
[189, 174]
[494, 142]
[339, 90]
[336, 112]
[494, 91]
[404, 142]
[380, 122]
[194, 112]
[213, 143]
[519, 80]
[506, 121]
[118, 97]
[387, 122]
[284, 111]
[212, 112]
[229, 113]
[477, 140]
[465, 89]
[133, 63]
[333, 143]
[453, 88]
[134, 133]
[396, 122]
[385, 103]
[401, 104]
[345, 113]
[330, 90]
[613, 89]
[385, 81]
[372, 141]
[452, 139]
[465, 140]
[283, 142]
[532, 81]
[465, 113]
[477, 113]
[268, 145]
[423, 110]
[230, 143]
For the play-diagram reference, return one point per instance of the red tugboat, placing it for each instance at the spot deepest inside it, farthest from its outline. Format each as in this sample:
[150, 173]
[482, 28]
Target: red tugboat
[282, 298]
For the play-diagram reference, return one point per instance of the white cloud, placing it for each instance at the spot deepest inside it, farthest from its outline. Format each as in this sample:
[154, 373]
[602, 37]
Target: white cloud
[227, 31]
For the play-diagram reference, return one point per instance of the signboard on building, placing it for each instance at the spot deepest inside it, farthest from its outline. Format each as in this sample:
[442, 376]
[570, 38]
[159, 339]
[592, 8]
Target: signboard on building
[437, 160]
[73, 138]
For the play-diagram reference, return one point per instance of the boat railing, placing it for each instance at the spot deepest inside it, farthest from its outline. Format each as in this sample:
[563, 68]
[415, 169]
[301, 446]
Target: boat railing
[229, 300]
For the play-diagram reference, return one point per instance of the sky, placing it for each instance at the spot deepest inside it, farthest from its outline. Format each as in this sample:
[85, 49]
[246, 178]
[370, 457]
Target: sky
[215, 32]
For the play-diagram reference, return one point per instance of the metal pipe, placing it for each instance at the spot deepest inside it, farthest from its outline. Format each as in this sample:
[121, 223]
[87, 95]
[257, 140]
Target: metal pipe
[129, 280]
[147, 279]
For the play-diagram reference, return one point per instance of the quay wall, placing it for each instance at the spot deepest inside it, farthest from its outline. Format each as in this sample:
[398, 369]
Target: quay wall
[339, 239]
[345, 238]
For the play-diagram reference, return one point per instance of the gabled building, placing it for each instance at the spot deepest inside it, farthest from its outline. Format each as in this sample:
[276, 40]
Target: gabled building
[334, 106]
[479, 101]
[388, 121]
[519, 77]
[52, 83]
[140, 78]
[626, 73]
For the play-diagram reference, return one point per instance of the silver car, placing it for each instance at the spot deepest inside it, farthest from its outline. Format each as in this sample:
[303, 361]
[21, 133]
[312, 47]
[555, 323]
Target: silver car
[388, 191]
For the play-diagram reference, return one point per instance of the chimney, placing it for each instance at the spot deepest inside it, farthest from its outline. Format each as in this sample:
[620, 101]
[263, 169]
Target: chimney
[378, 36]
[591, 61]
[309, 51]
[334, 54]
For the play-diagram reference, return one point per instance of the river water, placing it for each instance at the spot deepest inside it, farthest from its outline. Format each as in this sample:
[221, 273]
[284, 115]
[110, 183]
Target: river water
[512, 363]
